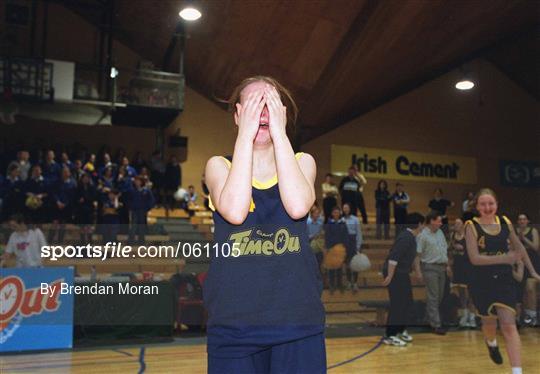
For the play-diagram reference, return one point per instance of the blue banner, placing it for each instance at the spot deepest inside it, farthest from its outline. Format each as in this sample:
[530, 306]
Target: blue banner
[34, 314]
[520, 173]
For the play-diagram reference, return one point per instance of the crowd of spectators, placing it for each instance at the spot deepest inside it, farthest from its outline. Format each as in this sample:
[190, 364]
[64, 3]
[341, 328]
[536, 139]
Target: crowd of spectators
[87, 189]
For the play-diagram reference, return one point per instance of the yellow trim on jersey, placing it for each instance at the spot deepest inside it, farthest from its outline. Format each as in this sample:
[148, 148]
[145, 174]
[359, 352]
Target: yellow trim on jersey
[254, 183]
[272, 181]
[264, 185]
[470, 223]
[497, 304]
[497, 222]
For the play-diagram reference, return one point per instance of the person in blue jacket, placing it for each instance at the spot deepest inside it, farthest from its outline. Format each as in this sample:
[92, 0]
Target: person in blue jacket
[63, 199]
[140, 201]
[51, 169]
[263, 290]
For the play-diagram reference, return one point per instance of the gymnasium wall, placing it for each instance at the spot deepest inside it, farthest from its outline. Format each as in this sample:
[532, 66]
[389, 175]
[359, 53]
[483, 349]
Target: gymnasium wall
[496, 120]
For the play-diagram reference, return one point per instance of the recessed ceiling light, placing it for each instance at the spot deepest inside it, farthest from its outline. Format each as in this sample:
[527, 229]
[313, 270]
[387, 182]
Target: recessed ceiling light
[190, 14]
[464, 84]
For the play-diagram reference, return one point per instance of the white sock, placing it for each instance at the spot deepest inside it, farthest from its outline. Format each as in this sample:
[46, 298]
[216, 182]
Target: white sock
[517, 371]
[492, 343]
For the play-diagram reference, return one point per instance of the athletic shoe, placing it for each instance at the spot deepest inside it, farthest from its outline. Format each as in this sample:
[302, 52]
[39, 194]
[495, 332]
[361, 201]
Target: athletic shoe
[530, 321]
[495, 354]
[472, 321]
[464, 321]
[439, 330]
[405, 337]
[395, 341]
[355, 288]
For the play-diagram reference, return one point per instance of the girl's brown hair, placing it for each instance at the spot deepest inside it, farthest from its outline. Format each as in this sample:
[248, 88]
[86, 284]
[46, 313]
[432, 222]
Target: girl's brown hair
[485, 191]
[284, 94]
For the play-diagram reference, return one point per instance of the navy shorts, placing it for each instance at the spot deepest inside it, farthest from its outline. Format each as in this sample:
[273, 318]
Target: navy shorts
[306, 355]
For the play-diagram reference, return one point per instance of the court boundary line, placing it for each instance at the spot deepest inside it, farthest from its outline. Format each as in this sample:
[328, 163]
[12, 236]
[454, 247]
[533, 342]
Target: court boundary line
[372, 349]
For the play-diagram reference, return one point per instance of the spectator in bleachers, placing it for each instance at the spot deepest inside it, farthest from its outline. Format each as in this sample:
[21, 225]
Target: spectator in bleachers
[129, 170]
[90, 167]
[12, 192]
[191, 197]
[157, 175]
[329, 194]
[36, 192]
[86, 198]
[119, 156]
[139, 162]
[77, 170]
[106, 164]
[335, 232]
[124, 184]
[24, 243]
[23, 162]
[467, 207]
[362, 182]
[173, 180]
[206, 192]
[354, 244]
[63, 197]
[349, 189]
[66, 162]
[106, 182]
[401, 201]
[145, 175]
[440, 204]
[51, 170]
[315, 223]
[140, 201]
[111, 217]
[382, 205]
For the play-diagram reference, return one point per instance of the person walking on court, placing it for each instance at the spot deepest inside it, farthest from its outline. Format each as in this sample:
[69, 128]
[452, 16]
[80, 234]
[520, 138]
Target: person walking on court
[494, 248]
[433, 251]
[396, 269]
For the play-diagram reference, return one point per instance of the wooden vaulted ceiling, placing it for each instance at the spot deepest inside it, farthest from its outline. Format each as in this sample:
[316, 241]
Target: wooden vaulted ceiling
[340, 58]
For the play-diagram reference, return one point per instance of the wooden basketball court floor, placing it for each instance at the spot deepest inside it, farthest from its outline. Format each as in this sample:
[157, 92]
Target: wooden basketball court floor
[457, 352]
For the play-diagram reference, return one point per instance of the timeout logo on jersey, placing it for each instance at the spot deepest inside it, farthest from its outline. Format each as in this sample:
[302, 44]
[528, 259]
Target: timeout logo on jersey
[30, 320]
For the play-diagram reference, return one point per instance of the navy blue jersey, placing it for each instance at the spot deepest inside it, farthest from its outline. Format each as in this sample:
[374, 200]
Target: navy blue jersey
[492, 244]
[271, 292]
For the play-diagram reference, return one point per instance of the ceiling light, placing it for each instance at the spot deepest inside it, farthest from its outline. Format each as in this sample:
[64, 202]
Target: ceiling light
[464, 84]
[190, 14]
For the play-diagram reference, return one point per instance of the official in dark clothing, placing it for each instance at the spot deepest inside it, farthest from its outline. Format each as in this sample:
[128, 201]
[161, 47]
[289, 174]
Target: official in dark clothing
[349, 190]
[396, 269]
